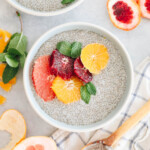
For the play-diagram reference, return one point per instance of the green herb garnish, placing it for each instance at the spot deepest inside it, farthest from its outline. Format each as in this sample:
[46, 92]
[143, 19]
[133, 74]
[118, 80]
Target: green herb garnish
[14, 54]
[86, 91]
[70, 49]
[67, 1]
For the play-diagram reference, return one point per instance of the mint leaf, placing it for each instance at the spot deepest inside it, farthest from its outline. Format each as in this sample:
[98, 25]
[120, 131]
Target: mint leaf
[19, 42]
[67, 1]
[13, 51]
[2, 57]
[6, 48]
[9, 73]
[22, 60]
[64, 47]
[76, 49]
[85, 95]
[11, 61]
[91, 88]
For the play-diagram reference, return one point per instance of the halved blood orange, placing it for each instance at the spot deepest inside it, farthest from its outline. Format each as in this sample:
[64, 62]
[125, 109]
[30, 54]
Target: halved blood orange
[124, 14]
[145, 8]
[42, 78]
[37, 143]
[13, 122]
[4, 39]
[94, 57]
[67, 91]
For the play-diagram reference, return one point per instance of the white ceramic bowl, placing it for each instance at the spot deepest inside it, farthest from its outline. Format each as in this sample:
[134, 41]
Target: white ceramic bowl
[73, 26]
[20, 7]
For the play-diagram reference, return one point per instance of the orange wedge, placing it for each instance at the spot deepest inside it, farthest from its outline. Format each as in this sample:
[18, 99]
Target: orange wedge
[4, 39]
[37, 143]
[13, 122]
[2, 100]
[67, 91]
[94, 57]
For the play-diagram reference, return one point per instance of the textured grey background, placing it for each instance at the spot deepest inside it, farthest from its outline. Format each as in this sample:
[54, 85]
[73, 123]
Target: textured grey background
[136, 41]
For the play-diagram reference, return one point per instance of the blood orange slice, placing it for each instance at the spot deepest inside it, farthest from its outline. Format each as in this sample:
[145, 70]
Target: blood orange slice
[124, 14]
[37, 143]
[42, 78]
[145, 8]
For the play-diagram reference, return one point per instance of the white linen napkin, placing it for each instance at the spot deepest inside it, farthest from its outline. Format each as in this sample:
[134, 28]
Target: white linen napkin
[136, 139]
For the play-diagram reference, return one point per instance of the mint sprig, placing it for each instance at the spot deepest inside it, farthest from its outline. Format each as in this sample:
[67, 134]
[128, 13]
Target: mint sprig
[14, 54]
[86, 91]
[69, 49]
[67, 1]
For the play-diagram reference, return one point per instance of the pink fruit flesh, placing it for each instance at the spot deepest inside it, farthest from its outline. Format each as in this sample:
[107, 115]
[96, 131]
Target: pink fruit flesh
[81, 72]
[36, 147]
[30, 148]
[61, 65]
[147, 5]
[123, 12]
[42, 78]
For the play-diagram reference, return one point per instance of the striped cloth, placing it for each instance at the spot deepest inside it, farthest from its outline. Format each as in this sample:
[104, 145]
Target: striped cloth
[137, 139]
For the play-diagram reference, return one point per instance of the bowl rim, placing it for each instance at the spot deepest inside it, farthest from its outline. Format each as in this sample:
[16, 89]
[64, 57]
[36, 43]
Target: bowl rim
[43, 13]
[61, 125]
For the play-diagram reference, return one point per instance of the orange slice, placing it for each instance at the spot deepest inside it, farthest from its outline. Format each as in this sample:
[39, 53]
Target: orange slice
[13, 122]
[67, 91]
[94, 57]
[6, 87]
[2, 100]
[4, 39]
[37, 143]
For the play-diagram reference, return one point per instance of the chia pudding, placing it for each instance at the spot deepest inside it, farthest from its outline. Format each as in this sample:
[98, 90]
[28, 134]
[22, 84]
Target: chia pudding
[44, 5]
[110, 83]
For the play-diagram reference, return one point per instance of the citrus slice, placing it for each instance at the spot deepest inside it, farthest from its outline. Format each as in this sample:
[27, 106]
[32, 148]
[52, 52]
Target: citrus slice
[2, 100]
[4, 39]
[13, 122]
[67, 91]
[37, 143]
[94, 57]
[145, 8]
[124, 14]
[42, 78]
[6, 87]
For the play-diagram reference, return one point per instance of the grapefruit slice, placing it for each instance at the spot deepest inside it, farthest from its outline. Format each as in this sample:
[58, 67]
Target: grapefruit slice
[42, 78]
[13, 122]
[67, 91]
[37, 143]
[124, 14]
[145, 8]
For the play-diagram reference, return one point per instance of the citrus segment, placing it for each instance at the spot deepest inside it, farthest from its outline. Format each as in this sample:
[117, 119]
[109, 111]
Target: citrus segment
[124, 14]
[4, 39]
[2, 67]
[94, 57]
[42, 78]
[37, 143]
[67, 91]
[145, 8]
[2, 100]
[13, 122]
[6, 87]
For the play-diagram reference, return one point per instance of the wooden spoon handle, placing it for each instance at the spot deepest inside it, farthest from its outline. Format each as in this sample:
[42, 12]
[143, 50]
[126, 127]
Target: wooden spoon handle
[127, 125]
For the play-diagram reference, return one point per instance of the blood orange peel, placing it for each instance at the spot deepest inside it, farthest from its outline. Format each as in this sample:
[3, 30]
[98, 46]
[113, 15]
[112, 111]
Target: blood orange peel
[124, 14]
[145, 8]
[42, 78]
[13, 122]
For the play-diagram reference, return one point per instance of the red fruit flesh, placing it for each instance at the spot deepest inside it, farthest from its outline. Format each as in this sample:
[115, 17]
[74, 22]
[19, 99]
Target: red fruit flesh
[123, 12]
[81, 71]
[147, 5]
[61, 65]
[42, 78]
